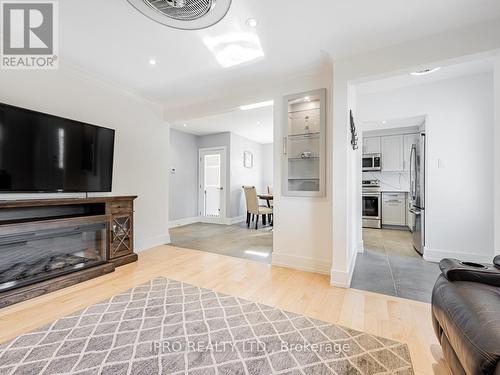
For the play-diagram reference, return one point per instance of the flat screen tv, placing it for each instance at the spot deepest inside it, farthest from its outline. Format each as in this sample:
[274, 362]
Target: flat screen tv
[45, 153]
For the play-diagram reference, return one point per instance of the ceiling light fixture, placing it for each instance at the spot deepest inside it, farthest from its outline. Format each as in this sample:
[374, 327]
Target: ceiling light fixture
[257, 105]
[425, 71]
[185, 125]
[252, 22]
[235, 48]
[183, 14]
[152, 62]
[384, 122]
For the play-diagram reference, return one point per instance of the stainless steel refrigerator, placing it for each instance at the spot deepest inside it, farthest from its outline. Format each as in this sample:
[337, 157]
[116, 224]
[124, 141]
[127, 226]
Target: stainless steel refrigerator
[417, 193]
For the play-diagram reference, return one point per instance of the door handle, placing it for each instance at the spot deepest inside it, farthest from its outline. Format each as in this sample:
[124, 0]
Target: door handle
[285, 147]
[416, 213]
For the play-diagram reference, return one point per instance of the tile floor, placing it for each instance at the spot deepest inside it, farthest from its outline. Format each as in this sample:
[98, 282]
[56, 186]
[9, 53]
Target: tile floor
[232, 240]
[391, 266]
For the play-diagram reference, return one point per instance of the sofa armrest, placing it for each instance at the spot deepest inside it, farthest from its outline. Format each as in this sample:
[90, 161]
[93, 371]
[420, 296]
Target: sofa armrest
[455, 270]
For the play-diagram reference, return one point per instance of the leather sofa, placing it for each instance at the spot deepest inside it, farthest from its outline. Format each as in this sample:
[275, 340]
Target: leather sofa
[466, 316]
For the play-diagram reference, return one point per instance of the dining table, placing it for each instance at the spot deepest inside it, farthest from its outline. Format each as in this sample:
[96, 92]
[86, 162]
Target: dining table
[266, 197]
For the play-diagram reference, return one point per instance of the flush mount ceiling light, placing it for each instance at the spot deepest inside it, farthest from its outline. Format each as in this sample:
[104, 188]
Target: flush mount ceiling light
[257, 105]
[235, 48]
[425, 71]
[152, 62]
[183, 14]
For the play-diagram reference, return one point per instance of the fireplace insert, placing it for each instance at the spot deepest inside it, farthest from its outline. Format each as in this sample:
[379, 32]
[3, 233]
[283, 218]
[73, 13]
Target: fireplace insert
[33, 256]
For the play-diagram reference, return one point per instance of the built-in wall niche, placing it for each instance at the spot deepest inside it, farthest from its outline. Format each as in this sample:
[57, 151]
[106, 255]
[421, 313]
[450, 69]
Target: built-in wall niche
[304, 144]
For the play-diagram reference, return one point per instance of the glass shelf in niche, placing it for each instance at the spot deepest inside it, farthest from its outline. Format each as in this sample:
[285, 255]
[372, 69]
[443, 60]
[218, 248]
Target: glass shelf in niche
[304, 144]
[300, 137]
[309, 185]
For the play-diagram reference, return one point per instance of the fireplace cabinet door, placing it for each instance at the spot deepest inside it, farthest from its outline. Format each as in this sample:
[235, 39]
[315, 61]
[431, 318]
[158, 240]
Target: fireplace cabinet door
[121, 236]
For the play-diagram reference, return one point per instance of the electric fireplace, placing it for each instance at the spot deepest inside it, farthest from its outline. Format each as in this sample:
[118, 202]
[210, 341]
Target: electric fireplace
[33, 256]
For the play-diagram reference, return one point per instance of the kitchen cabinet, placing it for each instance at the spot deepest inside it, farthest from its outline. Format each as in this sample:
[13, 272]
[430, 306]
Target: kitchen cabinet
[409, 141]
[304, 144]
[392, 153]
[394, 209]
[371, 145]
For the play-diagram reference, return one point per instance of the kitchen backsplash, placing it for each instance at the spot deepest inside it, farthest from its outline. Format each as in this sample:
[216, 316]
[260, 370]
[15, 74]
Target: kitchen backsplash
[390, 181]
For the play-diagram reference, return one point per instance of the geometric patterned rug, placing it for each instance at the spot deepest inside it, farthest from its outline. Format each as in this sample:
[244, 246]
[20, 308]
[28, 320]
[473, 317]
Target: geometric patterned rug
[169, 327]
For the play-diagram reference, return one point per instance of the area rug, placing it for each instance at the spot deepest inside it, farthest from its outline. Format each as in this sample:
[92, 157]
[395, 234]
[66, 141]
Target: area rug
[169, 327]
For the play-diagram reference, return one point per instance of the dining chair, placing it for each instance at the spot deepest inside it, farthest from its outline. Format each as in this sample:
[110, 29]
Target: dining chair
[253, 207]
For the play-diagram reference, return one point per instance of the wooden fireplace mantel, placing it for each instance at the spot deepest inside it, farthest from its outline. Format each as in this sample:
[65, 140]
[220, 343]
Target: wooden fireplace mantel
[32, 215]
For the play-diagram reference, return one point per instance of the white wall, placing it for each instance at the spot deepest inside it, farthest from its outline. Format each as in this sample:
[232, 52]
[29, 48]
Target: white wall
[141, 163]
[459, 129]
[267, 167]
[241, 176]
[183, 157]
[302, 226]
[497, 155]
[184, 183]
[444, 48]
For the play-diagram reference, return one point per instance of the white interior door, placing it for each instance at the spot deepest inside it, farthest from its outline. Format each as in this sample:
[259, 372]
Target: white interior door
[212, 184]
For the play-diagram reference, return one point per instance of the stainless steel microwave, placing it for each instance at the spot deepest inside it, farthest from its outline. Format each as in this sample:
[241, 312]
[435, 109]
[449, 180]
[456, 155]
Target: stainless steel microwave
[372, 162]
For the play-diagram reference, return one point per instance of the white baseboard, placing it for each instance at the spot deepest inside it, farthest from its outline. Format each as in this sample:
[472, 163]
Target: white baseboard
[182, 222]
[301, 263]
[435, 255]
[343, 278]
[360, 248]
[234, 220]
[142, 244]
[222, 221]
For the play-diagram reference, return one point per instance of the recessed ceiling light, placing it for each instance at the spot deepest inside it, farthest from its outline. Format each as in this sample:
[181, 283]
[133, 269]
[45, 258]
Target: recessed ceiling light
[152, 61]
[235, 48]
[425, 71]
[257, 105]
[185, 125]
[258, 122]
[384, 122]
[251, 22]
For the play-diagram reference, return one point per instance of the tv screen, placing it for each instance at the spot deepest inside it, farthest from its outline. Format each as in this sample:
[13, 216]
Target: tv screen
[45, 153]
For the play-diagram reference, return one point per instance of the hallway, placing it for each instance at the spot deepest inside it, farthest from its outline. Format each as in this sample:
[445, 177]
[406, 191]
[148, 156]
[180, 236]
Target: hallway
[231, 240]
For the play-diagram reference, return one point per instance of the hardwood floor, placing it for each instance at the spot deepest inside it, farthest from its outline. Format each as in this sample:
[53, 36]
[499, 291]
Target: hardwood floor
[300, 292]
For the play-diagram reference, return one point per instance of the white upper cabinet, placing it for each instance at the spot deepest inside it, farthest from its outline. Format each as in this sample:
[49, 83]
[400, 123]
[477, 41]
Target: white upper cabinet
[409, 141]
[392, 153]
[371, 145]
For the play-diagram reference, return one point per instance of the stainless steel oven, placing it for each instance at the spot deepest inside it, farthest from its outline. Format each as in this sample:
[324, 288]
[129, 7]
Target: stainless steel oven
[372, 204]
[372, 162]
